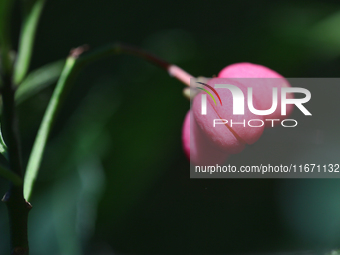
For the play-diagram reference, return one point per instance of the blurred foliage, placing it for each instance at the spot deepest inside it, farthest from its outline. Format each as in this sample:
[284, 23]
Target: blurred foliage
[114, 178]
[38, 80]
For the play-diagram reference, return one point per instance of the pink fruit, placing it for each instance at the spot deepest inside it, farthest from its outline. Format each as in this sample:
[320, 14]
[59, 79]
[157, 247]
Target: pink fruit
[206, 145]
[198, 149]
[247, 70]
[229, 137]
[250, 76]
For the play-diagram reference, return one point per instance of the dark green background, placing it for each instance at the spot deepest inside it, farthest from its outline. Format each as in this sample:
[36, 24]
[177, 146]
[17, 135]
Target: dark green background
[114, 178]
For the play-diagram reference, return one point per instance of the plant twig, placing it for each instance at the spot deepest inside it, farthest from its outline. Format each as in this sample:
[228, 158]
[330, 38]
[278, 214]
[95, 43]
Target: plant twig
[5, 42]
[17, 207]
[120, 48]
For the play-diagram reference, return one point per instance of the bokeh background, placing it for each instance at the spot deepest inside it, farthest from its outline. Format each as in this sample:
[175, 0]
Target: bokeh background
[114, 179]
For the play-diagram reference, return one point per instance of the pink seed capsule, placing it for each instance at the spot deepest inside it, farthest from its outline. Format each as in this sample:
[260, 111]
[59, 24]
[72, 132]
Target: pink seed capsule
[233, 131]
[250, 76]
[198, 149]
[207, 144]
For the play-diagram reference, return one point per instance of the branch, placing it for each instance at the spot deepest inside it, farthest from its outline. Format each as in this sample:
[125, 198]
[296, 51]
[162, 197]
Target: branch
[17, 207]
[118, 48]
[5, 42]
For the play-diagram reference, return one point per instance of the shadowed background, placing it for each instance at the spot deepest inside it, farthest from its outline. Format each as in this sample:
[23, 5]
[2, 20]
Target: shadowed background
[114, 178]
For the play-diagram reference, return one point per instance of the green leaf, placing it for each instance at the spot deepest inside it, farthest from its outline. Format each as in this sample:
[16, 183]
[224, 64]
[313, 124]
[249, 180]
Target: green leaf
[324, 36]
[32, 11]
[46, 125]
[334, 252]
[11, 176]
[38, 80]
[3, 146]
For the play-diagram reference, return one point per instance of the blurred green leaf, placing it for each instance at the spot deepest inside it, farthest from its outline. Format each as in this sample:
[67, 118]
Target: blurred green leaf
[32, 11]
[85, 133]
[77, 172]
[11, 176]
[334, 252]
[38, 80]
[3, 146]
[325, 35]
[79, 192]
